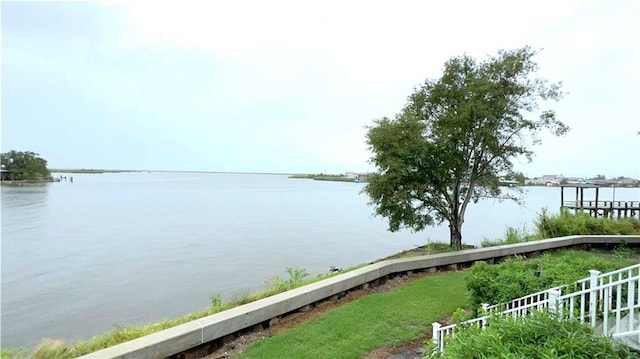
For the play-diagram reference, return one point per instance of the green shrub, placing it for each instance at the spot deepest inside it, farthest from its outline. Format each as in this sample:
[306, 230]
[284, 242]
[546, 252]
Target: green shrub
[539, 335]
[501, 283]
[217, 303]
[515, 235]
[296, 279]
[566, 223]
[461, 314]
[517, 277]
[622, 251]
[16, 353]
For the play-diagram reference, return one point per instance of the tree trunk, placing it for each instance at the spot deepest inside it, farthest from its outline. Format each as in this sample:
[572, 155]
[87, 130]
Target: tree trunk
[455, 230]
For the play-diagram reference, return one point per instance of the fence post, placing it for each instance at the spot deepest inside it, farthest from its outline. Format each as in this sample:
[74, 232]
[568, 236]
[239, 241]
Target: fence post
[631, 298]
[436, 336]
[593, 296]
[553, 305]
[485, 308]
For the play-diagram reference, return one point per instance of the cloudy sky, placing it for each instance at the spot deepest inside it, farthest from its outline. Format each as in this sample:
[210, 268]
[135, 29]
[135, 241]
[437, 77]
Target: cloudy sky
[289, 86]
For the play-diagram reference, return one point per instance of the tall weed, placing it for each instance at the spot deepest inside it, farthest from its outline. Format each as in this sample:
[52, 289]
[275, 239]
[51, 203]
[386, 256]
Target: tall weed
[512, 235]
[566, 223]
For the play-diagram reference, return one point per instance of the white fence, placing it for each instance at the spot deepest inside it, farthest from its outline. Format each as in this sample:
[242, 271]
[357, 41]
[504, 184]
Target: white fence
[610, 300]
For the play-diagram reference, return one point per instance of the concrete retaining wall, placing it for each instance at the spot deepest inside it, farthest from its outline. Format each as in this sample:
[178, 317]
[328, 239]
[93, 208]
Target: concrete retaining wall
[189, 335]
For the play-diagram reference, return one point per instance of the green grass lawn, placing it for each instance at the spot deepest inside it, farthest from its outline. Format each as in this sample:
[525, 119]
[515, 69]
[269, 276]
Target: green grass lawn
[387, 319]
[383, 319]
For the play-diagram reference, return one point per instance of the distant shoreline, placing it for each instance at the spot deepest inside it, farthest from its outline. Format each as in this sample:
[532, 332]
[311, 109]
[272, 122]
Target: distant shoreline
[323, 177]
[298, 175]
[101, 171]
[91, 171]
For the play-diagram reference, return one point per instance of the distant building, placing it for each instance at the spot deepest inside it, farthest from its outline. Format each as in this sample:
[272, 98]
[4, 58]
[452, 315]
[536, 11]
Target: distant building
[556, 180]
[573, 180]
[364, 177]
[603, 182]
[628, 182]
[546, 179]
[550, 177]
[359, 176]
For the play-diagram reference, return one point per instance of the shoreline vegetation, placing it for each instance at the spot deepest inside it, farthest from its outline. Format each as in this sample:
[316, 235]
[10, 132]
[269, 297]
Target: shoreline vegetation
[326, 177]
[546, 226]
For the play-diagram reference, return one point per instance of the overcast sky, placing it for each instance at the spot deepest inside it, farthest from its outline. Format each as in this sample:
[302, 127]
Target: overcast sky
[273, 86]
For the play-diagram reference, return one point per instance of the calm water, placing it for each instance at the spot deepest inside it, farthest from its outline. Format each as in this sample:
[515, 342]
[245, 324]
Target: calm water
[110, 250]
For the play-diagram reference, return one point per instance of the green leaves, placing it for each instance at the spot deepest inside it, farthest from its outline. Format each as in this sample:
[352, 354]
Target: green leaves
[24, 165]
[516, 277]
[539, 335]
[455, 137]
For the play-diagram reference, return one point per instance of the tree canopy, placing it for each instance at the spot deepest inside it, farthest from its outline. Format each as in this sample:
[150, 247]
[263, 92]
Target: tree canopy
[25, 165]
[455, 137]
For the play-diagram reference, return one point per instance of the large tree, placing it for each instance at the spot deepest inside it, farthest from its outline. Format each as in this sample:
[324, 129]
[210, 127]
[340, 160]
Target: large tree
[25, 165]
[455, 137]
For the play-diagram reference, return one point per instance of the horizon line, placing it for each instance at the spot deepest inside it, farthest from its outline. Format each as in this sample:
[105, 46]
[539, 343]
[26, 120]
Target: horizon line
[179, 171]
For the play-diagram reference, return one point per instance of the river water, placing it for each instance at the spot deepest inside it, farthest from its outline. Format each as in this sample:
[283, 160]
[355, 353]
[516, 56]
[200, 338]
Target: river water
[110, 250]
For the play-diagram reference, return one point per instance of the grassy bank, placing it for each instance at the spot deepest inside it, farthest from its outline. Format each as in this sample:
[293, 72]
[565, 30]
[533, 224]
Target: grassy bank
[296, 277]
[59, 349]
[52, 348]
[566, 223]
[382, 319]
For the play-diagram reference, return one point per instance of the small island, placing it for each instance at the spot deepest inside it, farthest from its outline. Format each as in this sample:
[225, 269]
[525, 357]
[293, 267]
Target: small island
[24, 167]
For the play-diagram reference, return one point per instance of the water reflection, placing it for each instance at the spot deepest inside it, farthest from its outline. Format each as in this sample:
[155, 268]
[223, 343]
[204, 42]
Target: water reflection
[16, 196]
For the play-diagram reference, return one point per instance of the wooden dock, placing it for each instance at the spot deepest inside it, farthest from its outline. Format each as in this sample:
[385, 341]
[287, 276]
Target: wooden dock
[609, 209]
[597, 208]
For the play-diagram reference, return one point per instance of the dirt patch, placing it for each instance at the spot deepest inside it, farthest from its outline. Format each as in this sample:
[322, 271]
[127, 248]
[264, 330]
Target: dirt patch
[433, 248]
[242, 341]
[414, 252]
[409, 350]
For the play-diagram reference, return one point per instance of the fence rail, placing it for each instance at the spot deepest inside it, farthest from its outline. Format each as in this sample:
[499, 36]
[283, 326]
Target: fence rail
[581, 284]
[532, 300]
[597, 300]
